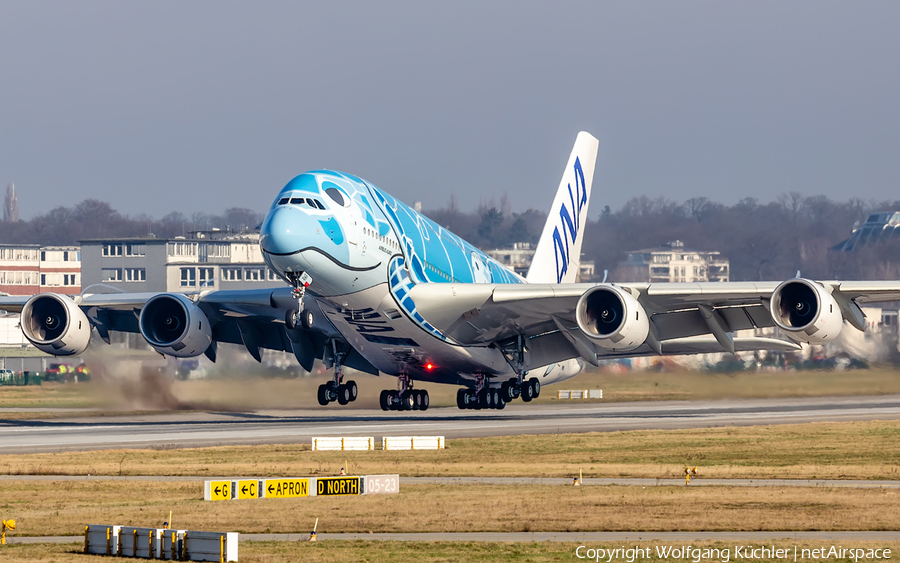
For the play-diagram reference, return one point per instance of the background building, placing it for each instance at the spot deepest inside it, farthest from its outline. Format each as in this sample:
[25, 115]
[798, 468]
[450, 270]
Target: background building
[28, 269]
[879, 227]
[673, 263]
[206, 260]
[517, 257]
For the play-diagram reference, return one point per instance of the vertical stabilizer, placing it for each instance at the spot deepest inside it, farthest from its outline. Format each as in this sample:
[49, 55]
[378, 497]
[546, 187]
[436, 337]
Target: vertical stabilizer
[558, 253]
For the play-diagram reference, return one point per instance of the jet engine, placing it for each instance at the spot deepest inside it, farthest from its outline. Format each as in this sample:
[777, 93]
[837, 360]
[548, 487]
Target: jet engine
[55, 325]
[806, 311]
[173, 325]
[612, 318]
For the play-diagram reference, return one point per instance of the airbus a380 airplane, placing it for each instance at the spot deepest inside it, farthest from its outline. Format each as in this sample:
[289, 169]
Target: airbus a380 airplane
[375, 286]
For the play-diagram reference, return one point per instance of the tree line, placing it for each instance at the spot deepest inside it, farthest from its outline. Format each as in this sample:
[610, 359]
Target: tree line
[763, 241]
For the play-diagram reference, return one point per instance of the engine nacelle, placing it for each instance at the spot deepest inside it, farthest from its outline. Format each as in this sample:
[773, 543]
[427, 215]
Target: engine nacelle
[806, 311]
[173, 325]
[55, 325]
[612, 318]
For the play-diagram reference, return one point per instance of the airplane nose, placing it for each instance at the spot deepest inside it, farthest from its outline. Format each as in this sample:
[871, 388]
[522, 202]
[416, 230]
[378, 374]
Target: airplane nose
[285, 231]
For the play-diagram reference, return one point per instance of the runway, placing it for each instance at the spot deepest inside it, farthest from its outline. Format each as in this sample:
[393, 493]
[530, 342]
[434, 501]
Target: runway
[193, 429]
[577, 537]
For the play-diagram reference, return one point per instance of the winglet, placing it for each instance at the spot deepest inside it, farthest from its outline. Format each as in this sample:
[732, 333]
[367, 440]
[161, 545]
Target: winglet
[558, 254]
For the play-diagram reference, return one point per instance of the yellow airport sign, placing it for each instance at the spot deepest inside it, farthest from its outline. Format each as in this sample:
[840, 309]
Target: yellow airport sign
[286, 488]
[220, 490]
[337, 486]
[247, 488]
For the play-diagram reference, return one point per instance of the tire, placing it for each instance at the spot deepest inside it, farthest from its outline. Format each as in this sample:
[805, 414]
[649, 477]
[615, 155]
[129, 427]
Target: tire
[290, 319]
[343, 395]
[502, 404]
[322, 395]
[506, 391]
[489, 398]
[354, 390]
[495, 398]
[308, 319]
[425, 400]
[383, 400]
[536, 385]
[416, 400]
[408, 401]
[527, 391]
[461, 401]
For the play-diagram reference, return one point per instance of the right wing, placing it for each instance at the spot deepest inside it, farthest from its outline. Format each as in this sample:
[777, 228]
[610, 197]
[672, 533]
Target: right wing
[684, 318]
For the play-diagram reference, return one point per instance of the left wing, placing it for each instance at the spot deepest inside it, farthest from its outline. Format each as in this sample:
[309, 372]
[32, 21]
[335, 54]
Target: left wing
[254, 319]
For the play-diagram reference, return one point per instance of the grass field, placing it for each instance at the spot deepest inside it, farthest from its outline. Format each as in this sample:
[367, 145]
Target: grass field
[837, 450]
[63, 507]
[425, 552]
[126, 393]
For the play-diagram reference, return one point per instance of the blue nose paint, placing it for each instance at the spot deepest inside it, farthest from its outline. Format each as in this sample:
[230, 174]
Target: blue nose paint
[332, 229]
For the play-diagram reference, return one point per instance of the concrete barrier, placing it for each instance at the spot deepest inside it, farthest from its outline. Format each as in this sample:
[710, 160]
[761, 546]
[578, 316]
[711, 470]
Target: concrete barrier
[579, 394]
[210, 546]
[353, 443]
[100, 539]
[140, 542]
[412, 443]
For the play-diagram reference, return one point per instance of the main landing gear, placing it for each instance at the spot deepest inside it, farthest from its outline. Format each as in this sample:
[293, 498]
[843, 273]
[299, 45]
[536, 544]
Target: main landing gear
[482, 397]
[404, 399]
[336, 390]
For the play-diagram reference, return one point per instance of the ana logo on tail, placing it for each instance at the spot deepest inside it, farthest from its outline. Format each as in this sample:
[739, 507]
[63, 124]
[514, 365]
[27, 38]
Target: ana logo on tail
[569, 223]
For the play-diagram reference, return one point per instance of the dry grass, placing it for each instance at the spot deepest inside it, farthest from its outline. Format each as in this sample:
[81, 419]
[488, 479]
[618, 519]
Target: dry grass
[426, 552]
[826, 450]
[64, 507]
[249, 392]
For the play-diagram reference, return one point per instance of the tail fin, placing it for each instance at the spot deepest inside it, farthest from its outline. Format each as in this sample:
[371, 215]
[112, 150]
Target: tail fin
[558, 254]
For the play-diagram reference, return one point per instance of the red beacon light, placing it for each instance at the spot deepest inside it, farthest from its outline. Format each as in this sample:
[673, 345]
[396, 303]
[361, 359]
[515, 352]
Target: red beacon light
[429, 366]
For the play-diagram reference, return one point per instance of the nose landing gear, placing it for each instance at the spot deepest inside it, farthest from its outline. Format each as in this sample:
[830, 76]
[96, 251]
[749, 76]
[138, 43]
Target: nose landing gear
[300, 281]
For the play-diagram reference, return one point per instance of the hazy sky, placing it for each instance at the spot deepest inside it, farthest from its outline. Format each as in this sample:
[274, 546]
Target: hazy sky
[192, 106]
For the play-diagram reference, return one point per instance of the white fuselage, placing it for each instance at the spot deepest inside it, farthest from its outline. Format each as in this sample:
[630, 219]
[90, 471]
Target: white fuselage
[365, 250]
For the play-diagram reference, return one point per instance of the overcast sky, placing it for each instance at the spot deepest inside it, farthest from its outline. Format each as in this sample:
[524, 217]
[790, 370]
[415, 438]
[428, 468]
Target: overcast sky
[201, 106]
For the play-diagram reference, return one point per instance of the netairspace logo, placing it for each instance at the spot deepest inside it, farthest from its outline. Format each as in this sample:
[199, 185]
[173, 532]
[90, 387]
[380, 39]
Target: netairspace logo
[727, 554]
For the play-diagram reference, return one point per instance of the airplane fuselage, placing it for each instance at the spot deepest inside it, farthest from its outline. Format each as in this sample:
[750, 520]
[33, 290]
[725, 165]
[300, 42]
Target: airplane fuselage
[365, 251]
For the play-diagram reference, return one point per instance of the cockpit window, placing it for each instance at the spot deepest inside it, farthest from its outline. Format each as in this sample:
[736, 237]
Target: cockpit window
[298, 200]
[283, 200]
[336, 195]
[319, 204]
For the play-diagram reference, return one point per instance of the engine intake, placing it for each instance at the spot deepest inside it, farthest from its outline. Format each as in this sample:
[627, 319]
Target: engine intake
[173, 325]
[612, 318]
[806, 311]
[55, 325]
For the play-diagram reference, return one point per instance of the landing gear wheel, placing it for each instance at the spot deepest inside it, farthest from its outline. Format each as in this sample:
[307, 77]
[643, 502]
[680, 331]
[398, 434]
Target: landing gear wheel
[393, 401]
[307, 318]
[527, 391]
[461, 399]
[425, 400]
[290, 319]
[354, 390]
[506, 391]
[407, 401]
[322, 395]
[343, 394]
[502, 404]
[495, 398]
[384, 401]
[536, 385]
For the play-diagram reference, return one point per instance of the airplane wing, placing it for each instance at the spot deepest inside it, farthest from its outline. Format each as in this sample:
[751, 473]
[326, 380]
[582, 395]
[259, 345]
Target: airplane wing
[254, 319]
[683, 317]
